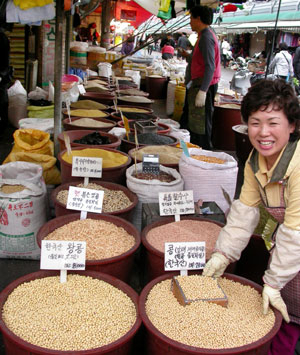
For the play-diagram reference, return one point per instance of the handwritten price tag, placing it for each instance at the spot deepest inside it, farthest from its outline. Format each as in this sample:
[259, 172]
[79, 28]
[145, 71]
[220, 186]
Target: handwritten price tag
[87, 167]
[63, 255]
[82, 199]
[176, 203]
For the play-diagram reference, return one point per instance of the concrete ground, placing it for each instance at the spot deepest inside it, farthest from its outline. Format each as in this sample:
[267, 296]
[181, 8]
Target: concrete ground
[11, 269]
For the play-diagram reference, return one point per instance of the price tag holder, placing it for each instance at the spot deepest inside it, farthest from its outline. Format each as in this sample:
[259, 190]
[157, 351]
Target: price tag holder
[81, 89]
[151, 163]
[184, 148]
[184, 256]
[176, 203]
[63, 255]
[82, 199]
[87, 167]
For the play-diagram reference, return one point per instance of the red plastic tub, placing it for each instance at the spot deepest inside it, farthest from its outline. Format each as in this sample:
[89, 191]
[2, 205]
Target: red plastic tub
[163, 128]
[107, 99]
[113, 174]
[68, 126]
[119, 266]
[61, 210]
[78, 134]
[159, 344]
[17, 346]
[157, 87]
[126, 145]
[154, 259]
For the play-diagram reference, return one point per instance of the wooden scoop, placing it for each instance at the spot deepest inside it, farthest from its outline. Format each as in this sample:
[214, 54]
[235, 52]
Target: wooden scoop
[67, 143]
[181, 298]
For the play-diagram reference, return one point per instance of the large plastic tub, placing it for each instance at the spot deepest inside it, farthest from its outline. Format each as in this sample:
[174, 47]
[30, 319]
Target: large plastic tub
[113, 174]
[159, 344]
[243, 145]
[156, 87]
[61, 210]
[68, 126]
[127, 145]
[119, 266]
[163, 128]
[115, 142]
[17, 346]
[223, 120]
[154, 259]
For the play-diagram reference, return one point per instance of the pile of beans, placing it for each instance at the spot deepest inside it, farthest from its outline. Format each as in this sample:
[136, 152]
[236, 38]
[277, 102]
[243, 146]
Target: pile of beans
[113, 200]
[208, 325]
[89, 122]
[207, 159]
[94, 138]
[167, 154]
[199, 287]
[185, 231]
[103, 239]
[80, 314]
[162, 176]
[87, 113]
[9, 189]
[152, 139]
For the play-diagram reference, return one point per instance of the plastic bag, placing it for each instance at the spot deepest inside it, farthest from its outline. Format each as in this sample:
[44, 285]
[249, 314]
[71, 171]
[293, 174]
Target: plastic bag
[22, 213]
[135, 75]
[43, 124]
[28, 4]
[40, 111]
[17, 103]
[38, 94]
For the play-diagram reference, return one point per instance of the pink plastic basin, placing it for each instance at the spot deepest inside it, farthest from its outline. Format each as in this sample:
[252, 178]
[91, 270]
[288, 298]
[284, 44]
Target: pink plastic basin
[159, 344]
[119, 266]
[17, 346]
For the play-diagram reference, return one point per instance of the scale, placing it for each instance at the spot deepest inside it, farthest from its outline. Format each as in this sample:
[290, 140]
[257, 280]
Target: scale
[146, 127]
[151, 163]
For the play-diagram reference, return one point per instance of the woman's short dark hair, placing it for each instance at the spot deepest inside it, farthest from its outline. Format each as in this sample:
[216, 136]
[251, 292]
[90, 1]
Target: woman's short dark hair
[283, 46]
[277, 93]
[204, 12]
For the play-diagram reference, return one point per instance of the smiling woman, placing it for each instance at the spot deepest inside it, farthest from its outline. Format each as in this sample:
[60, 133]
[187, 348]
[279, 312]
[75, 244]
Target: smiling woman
[272, 177]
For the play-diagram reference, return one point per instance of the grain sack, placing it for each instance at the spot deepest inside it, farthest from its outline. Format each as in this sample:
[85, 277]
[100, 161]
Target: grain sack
[23, 209]
[206, 179]
[147, 190]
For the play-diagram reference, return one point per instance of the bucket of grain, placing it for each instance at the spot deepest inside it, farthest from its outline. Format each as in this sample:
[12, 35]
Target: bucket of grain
[35, 320]
[118, 200]
[207, 328]
[96, 124]
[111, 240]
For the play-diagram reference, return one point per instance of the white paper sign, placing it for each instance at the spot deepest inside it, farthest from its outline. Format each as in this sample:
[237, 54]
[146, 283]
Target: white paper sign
[176, 203]
[81, 89]
[87, 166]
[82, 199]
[184, 256]
[63, 255]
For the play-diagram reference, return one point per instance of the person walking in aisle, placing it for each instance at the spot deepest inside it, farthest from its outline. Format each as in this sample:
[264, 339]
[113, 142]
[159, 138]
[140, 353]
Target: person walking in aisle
[225, 50]
[282, 63]
[272, 178]
[204, 73]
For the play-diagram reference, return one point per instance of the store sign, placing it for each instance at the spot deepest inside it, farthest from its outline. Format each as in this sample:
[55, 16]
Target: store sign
[63, 255]
[184, 256]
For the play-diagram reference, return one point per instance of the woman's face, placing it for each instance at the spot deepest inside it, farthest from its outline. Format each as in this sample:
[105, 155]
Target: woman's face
[269, 131]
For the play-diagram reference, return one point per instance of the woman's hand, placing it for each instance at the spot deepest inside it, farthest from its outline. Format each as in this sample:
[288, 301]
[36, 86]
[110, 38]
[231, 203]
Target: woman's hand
[272, 296]
[216, 265]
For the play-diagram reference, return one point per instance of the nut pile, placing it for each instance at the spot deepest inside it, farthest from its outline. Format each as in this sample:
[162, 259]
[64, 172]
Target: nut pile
[9, 189]
[185, 231]
[207, 159]
[162, 176]
[207, 325]
[113, 200]
[197, 286]
[103, 239]
[81, 314]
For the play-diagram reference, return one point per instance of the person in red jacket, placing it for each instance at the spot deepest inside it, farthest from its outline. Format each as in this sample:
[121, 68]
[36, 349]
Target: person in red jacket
[202, 77]
[167, 51]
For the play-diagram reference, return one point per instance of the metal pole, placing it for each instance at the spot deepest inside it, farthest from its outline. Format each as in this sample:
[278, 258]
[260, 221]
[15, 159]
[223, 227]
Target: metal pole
[69, 33]
[273, 39]
[58, 71]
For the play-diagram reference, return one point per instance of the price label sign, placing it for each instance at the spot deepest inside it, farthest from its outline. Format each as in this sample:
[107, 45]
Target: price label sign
[85, 199]
[87, 167]
[63, 255]
[151, 163]
[176, 203]
[184, 256]
[81, 89]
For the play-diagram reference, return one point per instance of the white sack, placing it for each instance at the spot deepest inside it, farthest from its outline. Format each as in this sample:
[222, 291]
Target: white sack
[17, 103]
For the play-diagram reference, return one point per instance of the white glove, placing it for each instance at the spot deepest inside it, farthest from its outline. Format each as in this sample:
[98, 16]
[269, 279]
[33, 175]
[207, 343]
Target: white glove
[272, 296]
[216, 265]
[200, 99]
